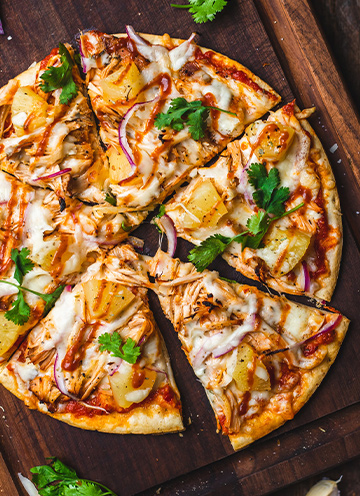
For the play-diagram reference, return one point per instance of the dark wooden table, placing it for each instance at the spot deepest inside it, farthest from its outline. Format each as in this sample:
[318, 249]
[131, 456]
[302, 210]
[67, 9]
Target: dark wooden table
[340, 21]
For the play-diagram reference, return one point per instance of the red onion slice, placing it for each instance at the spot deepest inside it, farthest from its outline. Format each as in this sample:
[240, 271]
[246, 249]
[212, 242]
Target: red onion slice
[158, 371]
[222, 350]
[306, 276]
[170, 231]
[122, 132]
[55, 174]
[60, 381]
[1, 28]
[200, 356]
[83, 58]
[130, 31]
[117, 362]
[68, 288]
[330, 326]
[28, 485]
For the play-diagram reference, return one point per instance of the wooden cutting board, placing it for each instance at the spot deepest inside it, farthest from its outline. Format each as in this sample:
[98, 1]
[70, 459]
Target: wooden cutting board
[280, 43]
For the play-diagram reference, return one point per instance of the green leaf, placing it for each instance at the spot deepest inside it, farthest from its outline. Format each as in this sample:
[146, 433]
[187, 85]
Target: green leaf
[61, 77]
[23, 264]
[50, 299]
[63, 469]
[202, 256]
[278, 199]
[110, 199]
[203, 10]
[130, 351]
[20, 310]
[125, 227]
[113, 343]
[161, 212]
[182, 112]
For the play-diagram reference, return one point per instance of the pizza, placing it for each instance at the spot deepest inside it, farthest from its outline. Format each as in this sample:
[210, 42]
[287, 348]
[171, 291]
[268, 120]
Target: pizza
[48, 136]
[84, 163]
[259, 357]
[131, 79]
[58, 245]
[60, 369]
[300, 251]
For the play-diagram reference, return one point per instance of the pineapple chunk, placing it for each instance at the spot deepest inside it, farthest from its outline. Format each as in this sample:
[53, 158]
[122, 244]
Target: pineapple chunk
[272, 142]
[284, 249]
[250, 373]
[119, 167]
[105, 299]
[9, 332]
[204, 207]
[124, 84]
[28, 110]
[45, 255]
[123, 381]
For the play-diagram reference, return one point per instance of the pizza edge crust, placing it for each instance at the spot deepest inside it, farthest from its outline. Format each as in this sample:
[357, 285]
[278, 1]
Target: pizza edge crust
[311, 380]
[152, 419]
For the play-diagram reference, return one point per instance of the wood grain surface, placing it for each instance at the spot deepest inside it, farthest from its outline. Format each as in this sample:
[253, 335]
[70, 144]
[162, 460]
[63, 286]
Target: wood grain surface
[131, 464]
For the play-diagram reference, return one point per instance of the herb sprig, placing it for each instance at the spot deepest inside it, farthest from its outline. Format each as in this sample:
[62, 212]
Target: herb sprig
[61, 77]
[57, 479]
[113, 342]
[269, 198]
[203, 10]
[20, 310]
[182, 112]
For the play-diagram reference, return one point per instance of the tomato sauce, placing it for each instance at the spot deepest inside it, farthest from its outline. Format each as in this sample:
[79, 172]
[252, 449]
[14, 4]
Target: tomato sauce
[231, 71]
[313, 344]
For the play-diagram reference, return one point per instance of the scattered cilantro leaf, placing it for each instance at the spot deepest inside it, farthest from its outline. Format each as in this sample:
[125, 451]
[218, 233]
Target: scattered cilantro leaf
[61, 77]
[161, 212]
[203, 10]
[23, 264]
[269, 198]
[20, 310]
[57, 479]
[231, 281]
[125, 227]
[182, 112]
[110, 199]
[113, 342]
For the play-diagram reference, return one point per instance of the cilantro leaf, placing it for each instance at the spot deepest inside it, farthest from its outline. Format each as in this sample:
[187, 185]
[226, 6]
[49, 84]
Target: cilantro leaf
[110, 198]
[20, 310]
[113, 342]
[57, 479]
[203, 10]
[182, 112]
[50, 299]
[208, 250]
[23, 264]
[61, 77]
[161, 212]
[269, 198]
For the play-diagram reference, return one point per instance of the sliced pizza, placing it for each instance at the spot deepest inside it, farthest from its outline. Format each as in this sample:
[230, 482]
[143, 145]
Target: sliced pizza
[43, 247]
[98, 361]
[47, 131]
[259, 357]
[269, 203]
[164, 106]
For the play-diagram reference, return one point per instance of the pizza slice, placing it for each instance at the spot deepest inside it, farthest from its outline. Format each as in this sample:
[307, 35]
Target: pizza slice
[98, 361]
[47, 131]
[43, 247]
[259, 357]
[270, 204]
[164, 106]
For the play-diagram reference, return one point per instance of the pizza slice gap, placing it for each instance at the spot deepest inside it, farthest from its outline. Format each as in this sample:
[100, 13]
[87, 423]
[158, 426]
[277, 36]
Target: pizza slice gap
[259, 357]
[48, 135]
[164, 106]
[98, 360]
[270, 205]
[44, 247]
